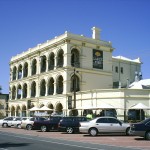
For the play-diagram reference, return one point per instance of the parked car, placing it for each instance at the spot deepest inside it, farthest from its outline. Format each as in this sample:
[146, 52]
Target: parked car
[16, 122]
[7, 122]
[47, 125]
[141, 129]
[70, 124]
[28, 123]
[104, 125]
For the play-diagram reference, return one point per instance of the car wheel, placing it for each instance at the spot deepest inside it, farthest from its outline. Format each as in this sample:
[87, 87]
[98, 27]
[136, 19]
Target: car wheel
[43, 128]
[29, 127]
[93, 132]
[147, 135]
[128, 131]
[69, 130]
[19, 126]
[5, 125]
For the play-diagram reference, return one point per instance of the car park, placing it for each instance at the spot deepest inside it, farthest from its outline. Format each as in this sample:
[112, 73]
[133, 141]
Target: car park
[47, 125]
[70, 124]
[28, 123]
[104, 125]
[141, 129]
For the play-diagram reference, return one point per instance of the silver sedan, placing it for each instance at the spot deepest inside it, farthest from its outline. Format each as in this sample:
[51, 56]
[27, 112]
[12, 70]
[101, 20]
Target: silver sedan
[104, 125]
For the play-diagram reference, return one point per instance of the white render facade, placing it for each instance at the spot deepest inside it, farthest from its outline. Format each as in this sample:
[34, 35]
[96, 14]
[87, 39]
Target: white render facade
[69, 65]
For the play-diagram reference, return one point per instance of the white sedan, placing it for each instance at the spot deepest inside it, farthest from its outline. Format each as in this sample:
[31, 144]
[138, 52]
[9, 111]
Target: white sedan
[104, 125]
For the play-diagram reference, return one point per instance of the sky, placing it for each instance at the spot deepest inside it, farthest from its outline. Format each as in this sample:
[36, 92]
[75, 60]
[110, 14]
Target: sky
[26, 23]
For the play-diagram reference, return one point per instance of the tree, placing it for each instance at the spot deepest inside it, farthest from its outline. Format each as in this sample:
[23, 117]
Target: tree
[0, 89]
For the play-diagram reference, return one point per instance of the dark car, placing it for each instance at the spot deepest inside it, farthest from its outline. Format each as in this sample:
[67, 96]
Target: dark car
[47, 125]
[28, 123]
[70, 124]
[141, 129]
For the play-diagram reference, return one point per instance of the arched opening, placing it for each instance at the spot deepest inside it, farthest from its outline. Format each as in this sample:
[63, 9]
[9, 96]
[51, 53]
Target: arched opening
[33, 89]
[41, 105]
[19, 92]
[50, 106]
[51, 86]
[2, 115]
[34, 67]
[25, 90]
[51, 61]
[12, 111]
[20, 72]
[59, 85]
[43, 63]
[14, 92]
[24, 111]
[59, 109]
[18, 111]
[25, 70]
[14, 73]
[75, 83]
[75, 62]
[42, 88]
[60, 58]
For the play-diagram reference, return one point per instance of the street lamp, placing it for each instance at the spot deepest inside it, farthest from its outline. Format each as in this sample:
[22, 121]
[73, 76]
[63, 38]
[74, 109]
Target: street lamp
[74, 88]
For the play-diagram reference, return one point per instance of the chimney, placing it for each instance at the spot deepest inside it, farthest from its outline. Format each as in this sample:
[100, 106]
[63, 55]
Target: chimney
[96, 33]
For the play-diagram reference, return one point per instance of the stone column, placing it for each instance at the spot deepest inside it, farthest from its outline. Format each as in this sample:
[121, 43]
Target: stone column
[55, 67]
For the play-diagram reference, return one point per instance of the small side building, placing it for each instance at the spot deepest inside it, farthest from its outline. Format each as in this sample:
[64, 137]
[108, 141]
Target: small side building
[4, 105]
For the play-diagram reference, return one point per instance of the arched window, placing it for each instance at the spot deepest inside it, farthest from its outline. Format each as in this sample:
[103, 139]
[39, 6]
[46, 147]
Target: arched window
[14, 73]
[24, 111]
[59, 85]
[20, 72]
[51, 61]
[34, 67]
[19, 92]
[51, 87]
[43, 63]
[13, 92]
[33, 89]
[75, 83]
[42, 88]
[75, 58]
[60, 58]
[25, 70]
[25, 90]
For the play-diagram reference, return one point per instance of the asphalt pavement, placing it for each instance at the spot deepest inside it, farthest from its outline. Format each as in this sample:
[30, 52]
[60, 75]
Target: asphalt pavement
[20, 139]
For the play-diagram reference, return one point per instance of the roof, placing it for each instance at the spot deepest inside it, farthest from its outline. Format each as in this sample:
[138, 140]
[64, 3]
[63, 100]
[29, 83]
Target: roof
[127, 59]
[142, 84]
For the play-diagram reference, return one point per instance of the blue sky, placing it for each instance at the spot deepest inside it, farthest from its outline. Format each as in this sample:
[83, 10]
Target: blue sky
[26, 23]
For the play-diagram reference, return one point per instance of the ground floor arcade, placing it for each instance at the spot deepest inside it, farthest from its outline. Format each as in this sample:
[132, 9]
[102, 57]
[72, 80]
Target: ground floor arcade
[117, 102]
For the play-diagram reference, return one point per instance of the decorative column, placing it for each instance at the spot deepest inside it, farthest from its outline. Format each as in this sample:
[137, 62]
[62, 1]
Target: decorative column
[55, 88]
[28, 90]
[46, 64]
[46, 84]
[55, 67]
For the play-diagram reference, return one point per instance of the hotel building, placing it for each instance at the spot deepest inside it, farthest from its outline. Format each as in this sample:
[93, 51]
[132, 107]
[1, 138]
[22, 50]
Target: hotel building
[71, 72]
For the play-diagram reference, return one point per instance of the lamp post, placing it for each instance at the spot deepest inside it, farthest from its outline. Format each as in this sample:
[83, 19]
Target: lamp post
[74, 88]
